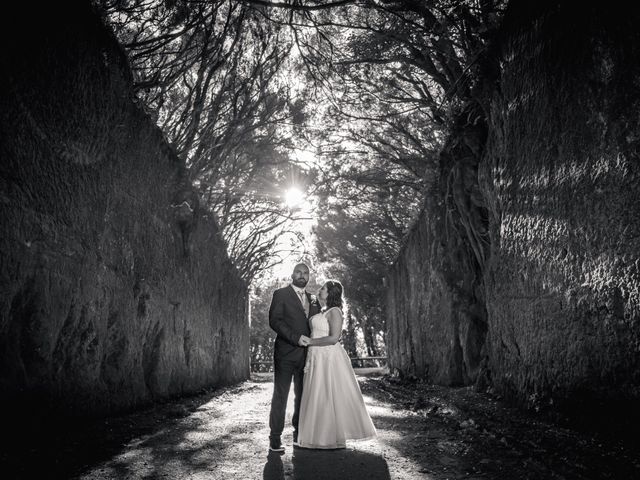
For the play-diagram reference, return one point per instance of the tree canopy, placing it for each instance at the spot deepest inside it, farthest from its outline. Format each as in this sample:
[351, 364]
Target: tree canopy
[369, 87]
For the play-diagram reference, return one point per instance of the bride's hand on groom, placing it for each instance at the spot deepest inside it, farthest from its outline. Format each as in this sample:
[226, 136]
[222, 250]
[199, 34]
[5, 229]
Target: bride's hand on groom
[304, 341]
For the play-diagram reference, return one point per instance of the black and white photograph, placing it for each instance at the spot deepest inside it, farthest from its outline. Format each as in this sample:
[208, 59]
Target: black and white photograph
[320, 240]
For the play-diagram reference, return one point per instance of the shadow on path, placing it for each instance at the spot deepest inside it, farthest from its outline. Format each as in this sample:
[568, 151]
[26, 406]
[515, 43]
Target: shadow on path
[326, 465]
[55, 446]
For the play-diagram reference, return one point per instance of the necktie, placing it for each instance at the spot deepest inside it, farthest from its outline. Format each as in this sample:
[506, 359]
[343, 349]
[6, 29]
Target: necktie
[303, 300]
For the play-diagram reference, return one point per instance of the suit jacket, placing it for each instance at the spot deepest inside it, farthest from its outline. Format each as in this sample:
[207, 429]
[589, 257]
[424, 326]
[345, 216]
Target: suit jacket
[289, 320]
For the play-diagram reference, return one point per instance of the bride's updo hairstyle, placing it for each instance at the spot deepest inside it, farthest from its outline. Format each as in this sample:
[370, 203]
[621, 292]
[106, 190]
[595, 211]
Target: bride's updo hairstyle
[334, 294]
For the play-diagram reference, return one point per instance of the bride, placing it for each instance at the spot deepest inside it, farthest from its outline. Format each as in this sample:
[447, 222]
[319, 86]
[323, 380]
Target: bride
[332, 409]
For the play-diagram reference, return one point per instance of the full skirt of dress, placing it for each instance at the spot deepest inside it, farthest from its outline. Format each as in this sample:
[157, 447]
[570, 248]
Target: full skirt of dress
[332, 409]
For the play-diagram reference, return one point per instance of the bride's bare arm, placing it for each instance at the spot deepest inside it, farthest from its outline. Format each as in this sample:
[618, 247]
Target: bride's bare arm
[334, 316]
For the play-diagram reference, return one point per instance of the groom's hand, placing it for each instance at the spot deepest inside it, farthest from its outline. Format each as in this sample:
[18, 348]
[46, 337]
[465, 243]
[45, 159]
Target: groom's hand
[303, 341]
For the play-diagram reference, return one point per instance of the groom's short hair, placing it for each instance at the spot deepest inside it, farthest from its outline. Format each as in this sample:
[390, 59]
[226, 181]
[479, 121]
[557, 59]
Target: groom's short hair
[300, 264]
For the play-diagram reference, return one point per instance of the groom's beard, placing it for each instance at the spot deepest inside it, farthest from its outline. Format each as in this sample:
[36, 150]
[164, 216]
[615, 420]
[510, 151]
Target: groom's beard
[300, 283]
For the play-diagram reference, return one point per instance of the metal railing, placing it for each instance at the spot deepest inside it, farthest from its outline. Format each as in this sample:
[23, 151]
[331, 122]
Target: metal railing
[356, 362]
[368, 362]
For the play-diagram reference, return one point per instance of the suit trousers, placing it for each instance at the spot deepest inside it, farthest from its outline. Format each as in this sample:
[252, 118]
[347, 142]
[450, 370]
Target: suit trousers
[284, 370]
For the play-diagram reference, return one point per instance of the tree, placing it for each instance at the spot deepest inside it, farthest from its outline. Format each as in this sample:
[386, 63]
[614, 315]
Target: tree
[390, 80]
[262, 337]
[211, 75]
[382, 84]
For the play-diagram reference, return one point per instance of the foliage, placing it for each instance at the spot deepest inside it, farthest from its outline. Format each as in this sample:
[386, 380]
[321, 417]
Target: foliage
[211, 75]
[262, 337]
[371, 87]
[388, 79]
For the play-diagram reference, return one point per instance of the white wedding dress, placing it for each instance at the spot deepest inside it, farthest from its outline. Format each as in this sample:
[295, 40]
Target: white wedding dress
[332, 409]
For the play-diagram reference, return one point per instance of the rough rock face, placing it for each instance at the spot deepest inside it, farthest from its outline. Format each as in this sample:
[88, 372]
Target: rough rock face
[563, 282]
[116, 289]
[436, 320]
[559, 181]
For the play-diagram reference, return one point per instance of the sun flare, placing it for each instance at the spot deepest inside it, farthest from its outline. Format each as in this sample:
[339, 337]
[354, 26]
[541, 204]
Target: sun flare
[294, 197]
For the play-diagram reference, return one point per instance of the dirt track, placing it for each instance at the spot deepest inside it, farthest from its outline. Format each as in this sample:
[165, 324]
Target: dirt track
[227, 438]
[425, 432]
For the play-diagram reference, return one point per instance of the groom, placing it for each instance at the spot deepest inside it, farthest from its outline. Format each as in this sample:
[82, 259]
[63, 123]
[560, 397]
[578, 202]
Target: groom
[291, 308]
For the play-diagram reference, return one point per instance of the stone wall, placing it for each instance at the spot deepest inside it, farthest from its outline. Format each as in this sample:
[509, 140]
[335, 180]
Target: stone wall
[563, 185]
[549, 312]
[116, 288]
[436, 319]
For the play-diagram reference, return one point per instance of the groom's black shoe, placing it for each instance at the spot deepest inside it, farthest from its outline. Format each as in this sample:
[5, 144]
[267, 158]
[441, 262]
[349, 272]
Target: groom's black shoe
[275, 445]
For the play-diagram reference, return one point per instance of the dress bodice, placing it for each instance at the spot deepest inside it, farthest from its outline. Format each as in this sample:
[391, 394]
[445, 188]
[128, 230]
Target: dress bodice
[319, 325]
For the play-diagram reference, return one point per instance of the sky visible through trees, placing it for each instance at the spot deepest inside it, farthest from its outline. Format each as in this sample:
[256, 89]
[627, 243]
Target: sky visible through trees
[312, 130]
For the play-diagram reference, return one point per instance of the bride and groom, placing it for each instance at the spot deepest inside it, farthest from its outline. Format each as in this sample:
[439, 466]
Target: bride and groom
[328, 404]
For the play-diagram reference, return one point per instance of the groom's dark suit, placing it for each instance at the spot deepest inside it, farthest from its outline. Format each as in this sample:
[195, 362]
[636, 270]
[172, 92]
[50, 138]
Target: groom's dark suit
[289, 320]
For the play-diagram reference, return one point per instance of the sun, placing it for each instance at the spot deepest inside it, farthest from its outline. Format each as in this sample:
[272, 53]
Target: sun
[294, 198]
